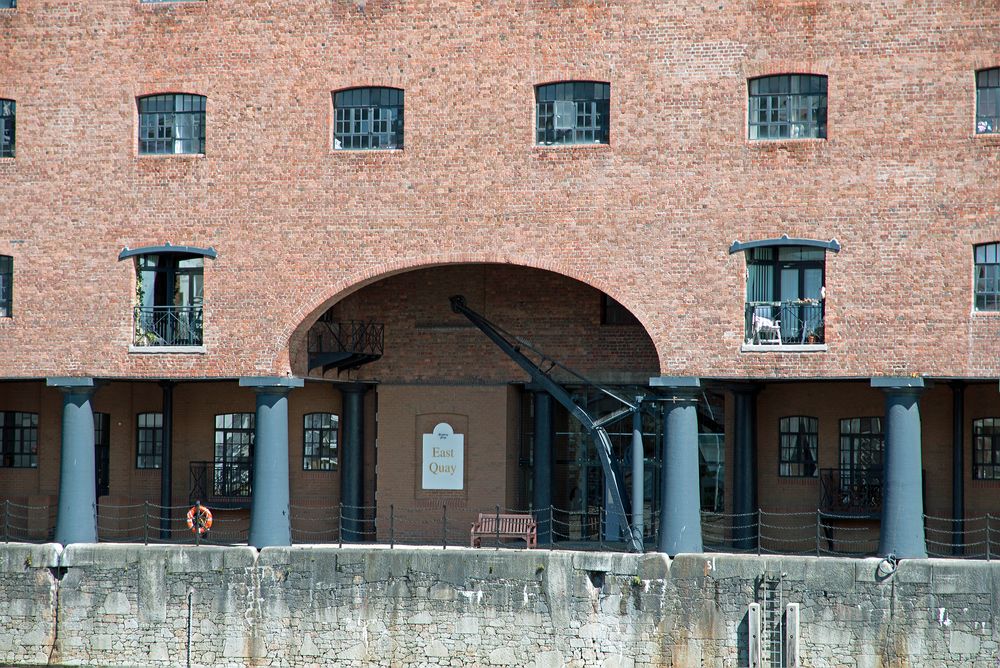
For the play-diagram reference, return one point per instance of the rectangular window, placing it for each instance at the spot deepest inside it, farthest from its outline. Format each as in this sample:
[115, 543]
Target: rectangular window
[368, 118]
[172, 124]
[798, 447]
[169, 291]
[8, 109]
[861, 445]
[149, 440]
[8, 4]
[6, 286]
[785, 295]
[234, 436]
[986, 449]
[987, 277]
[102, 452]
[788, 106]
[18, 440]
[572, 112]
[319, 442]
[988, 101]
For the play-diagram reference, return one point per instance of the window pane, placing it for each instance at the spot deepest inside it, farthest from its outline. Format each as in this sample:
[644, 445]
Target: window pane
[368, 118]
[787, 106]
[573, 112]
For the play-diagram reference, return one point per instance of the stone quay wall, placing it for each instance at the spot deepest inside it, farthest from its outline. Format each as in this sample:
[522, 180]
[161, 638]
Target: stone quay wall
[370, 606]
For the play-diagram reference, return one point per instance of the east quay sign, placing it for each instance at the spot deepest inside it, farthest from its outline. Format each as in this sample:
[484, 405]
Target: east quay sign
[444, 458]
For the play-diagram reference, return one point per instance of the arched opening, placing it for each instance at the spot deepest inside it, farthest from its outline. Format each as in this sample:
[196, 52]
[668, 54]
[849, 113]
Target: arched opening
[429, 366]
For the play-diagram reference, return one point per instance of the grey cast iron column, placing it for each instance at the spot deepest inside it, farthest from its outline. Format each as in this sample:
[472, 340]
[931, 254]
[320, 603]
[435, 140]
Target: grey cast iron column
[541, 472]
[902, 531]
[76, 521]
[638, 475]
[270, 523]
[352, 462]
[745, 467]
[680, 501]
[958, 467]
[167, 458]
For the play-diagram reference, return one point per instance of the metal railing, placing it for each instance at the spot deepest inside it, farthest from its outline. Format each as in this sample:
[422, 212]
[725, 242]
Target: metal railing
[168, 325]
[799, 322]
[227, 484]
[851, 490]
[813, 533]
[355, 336]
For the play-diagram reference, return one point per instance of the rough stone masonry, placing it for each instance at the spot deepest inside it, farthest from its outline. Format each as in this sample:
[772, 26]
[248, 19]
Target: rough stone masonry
[368, 606]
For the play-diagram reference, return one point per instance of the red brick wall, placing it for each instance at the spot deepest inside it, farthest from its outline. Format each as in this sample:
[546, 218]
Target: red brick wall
[901, 181]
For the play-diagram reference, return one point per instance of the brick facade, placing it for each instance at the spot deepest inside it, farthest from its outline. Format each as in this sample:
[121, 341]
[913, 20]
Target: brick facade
[532, 235]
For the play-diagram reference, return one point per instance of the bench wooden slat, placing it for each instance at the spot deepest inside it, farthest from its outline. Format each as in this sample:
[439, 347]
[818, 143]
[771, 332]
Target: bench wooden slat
[505, 525]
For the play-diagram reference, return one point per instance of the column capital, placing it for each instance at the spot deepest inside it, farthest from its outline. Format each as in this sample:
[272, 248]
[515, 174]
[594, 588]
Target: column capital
[72, 385]
[360, 388]
[675, 388]
[272, 384]
[899, 384]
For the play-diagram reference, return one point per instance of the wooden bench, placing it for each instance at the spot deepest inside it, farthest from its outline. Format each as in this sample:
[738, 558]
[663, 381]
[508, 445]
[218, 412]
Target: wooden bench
[512, 525]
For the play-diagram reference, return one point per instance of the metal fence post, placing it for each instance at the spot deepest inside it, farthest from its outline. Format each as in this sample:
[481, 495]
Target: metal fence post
[392, 526]
[197, 526]
[989, 538]
[444, 526]
[552, 530]
[819, 520]
[498, 527]
[145, 522]
[6, 520]
[340, 524]
[759, 516]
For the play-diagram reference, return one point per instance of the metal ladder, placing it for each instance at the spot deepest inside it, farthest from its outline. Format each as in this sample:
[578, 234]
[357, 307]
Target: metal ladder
[772, 607]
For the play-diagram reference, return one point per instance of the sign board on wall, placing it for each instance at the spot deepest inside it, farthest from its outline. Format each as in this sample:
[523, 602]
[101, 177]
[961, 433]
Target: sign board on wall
[444, 459]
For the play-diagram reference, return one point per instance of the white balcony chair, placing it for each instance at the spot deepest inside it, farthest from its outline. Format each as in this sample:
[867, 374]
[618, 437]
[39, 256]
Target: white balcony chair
[766, 330]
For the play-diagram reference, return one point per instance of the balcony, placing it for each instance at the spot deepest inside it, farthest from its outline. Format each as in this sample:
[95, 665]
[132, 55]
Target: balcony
[168, 326]
[344, 345]
[851, 491]
[786, 323]
[222, 484]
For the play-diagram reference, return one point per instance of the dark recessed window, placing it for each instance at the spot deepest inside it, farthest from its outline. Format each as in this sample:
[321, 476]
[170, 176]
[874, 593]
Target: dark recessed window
[234, 436]
[8, 4]
[319, 442]
[988, 101]
[613, 313]
[170, 124]
[368, 118]
[987, 277]
[6, 286]
[18, 440]
[8, 112]
[986, 449]
[862, 443]
[798, 443]
[788, 106]
[572, 112]
[149, 440]
[168, 310]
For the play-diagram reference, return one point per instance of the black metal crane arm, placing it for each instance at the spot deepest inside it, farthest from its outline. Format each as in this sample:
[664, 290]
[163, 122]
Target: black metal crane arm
[597, 433]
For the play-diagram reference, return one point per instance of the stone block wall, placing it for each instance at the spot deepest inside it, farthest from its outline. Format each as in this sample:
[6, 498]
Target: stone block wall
[361, 606]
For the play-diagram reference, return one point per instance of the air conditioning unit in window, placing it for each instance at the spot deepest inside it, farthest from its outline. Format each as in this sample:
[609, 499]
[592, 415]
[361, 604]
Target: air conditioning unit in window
[564, 113]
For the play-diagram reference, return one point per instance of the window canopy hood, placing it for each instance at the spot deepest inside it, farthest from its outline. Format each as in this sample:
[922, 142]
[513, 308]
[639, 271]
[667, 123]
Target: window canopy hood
[167, 248]
[784, 240]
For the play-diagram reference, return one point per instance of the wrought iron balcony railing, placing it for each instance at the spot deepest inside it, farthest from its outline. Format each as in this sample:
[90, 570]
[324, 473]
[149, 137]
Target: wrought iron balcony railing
[798, 322]
[851, 491]
[168, 325]
[222, 484]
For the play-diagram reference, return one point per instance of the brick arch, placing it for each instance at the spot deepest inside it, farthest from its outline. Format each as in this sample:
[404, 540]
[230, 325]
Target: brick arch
[278, 357]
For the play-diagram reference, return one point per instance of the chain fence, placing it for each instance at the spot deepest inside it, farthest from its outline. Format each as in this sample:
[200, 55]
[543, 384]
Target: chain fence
[815, 533]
